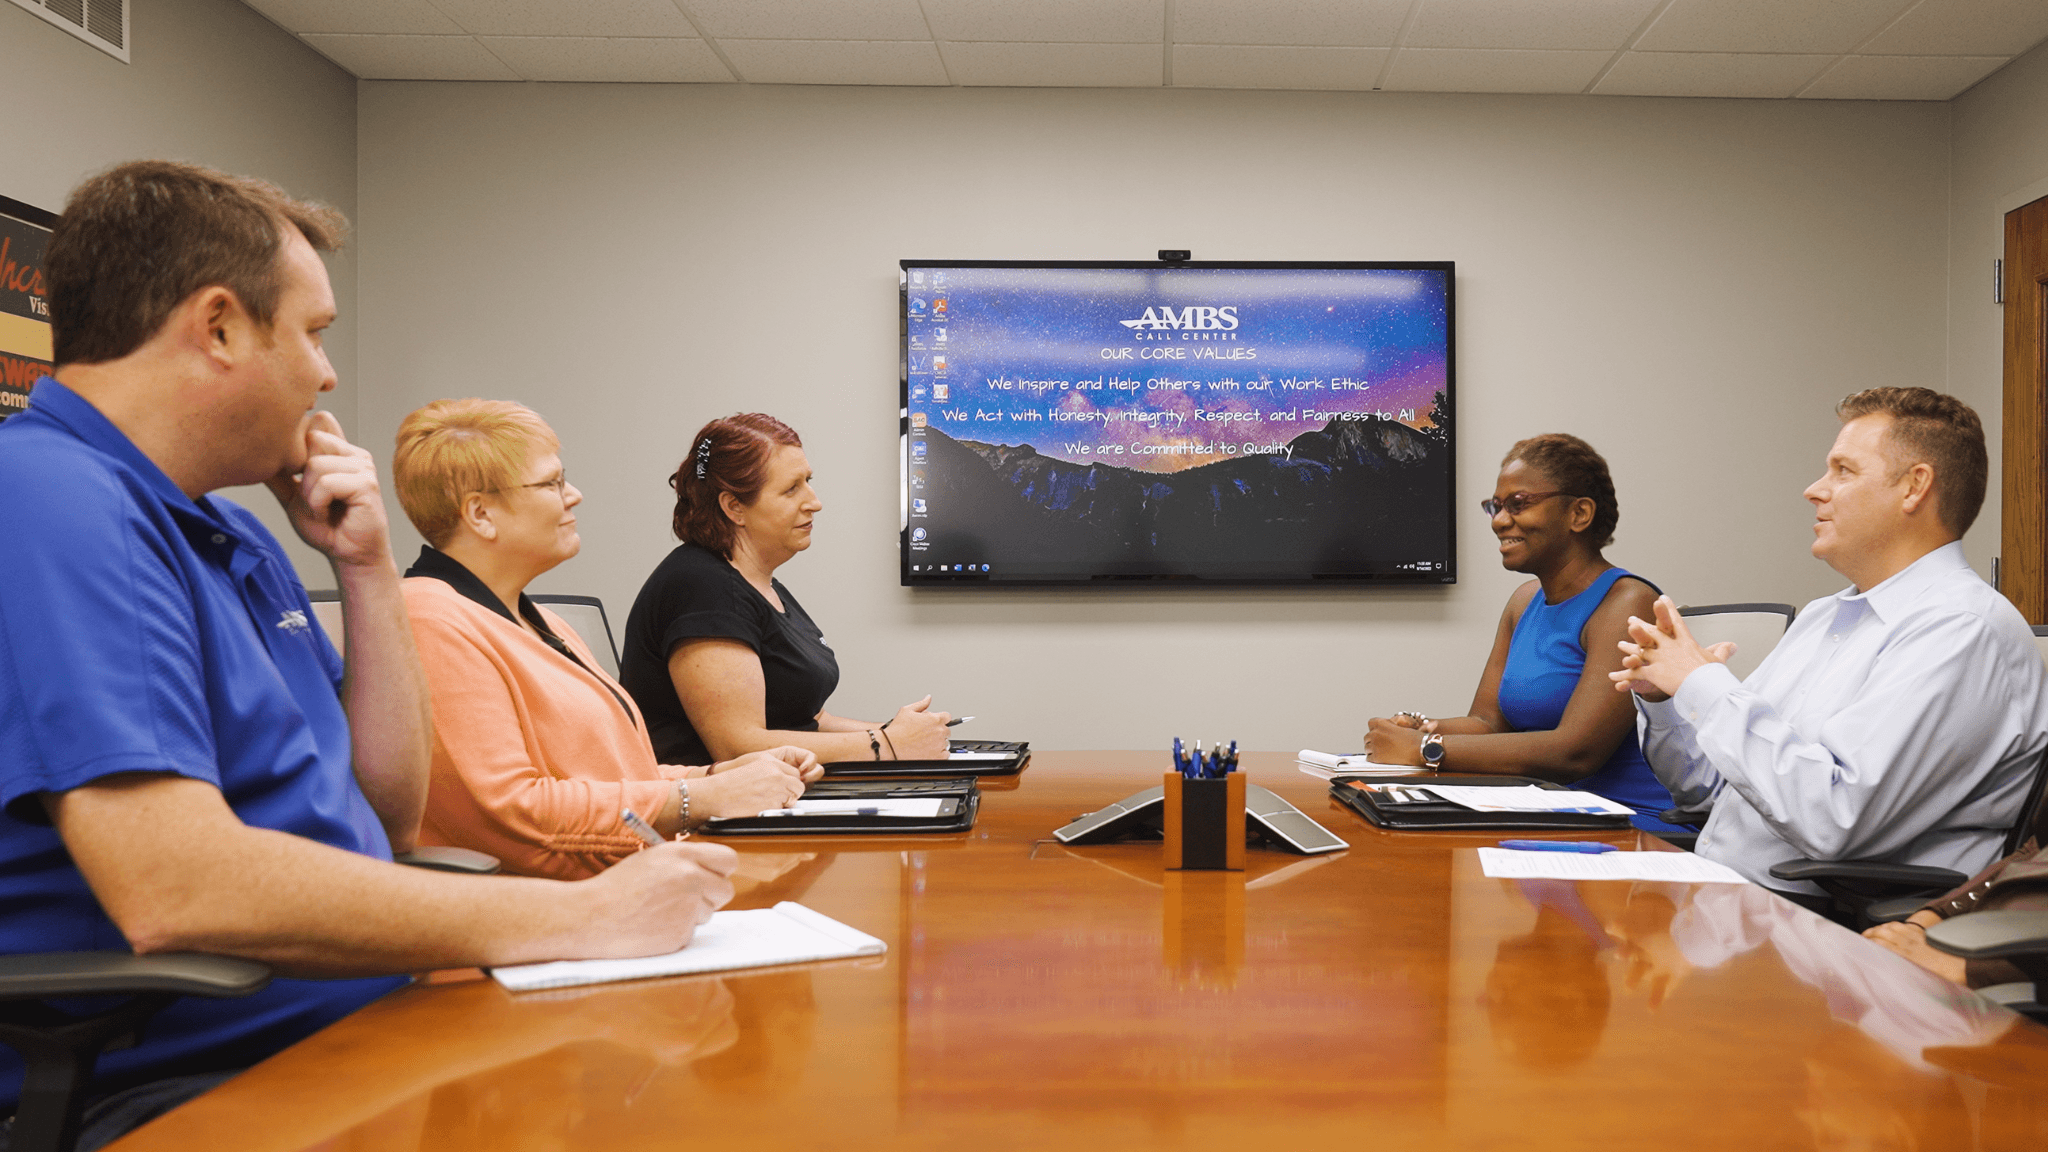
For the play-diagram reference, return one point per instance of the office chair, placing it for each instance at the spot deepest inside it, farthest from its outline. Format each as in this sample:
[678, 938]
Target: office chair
[586, 615]
[1755, 629]
[60, 1050]
[327, 610]
[1866, 892]
[2021, 937]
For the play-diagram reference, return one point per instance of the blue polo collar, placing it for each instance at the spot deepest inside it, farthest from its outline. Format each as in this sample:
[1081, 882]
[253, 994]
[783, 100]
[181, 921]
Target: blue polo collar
[50, 400]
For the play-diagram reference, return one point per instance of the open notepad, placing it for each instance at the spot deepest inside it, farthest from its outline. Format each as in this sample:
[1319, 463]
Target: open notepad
[788, 933]
[1329, 765]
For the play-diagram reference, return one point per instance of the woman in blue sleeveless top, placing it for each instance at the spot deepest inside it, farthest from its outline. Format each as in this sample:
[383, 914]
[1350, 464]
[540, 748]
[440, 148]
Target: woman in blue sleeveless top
[1545, 706]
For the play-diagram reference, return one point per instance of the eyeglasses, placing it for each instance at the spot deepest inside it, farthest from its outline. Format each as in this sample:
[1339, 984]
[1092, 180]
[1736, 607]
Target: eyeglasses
[559, 482]
[1517, 503]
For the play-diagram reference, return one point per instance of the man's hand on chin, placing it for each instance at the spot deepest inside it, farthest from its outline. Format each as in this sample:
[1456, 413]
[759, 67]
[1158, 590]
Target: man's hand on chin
[330, 493]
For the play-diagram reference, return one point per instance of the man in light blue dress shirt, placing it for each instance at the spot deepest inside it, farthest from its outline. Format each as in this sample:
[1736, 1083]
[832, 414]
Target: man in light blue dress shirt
[1899, 719]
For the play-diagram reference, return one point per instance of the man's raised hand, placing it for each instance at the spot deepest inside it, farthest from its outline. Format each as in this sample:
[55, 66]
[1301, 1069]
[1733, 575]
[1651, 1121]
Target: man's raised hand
[1656, 658]
[333, 499]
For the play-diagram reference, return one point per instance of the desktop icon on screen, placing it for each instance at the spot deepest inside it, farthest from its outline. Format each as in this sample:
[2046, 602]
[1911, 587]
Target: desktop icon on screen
[939, 306]
[938, 363]
[917, 477]
[917, 533]
[917, 305]
[917, 392]
[942, 392]
[917, 505]
[917, 278]
[939, 335]
[918, 421]
[917, 450]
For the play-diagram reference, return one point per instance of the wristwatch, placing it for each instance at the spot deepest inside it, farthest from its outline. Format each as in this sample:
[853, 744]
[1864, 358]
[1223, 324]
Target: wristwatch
[1433, 750]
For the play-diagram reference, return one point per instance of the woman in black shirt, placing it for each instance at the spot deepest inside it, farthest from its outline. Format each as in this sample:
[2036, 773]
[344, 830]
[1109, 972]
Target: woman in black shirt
[720, 657]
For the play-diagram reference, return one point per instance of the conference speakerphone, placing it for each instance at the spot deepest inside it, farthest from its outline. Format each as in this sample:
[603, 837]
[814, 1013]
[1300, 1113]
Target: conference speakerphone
[1141, 814]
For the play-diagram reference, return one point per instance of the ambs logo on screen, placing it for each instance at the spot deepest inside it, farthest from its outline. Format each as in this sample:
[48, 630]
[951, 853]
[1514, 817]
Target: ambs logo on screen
[1194, 317]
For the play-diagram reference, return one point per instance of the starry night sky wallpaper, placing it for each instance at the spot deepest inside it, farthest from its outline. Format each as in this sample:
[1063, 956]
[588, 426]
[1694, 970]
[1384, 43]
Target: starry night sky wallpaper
[1045, 356]
[1271, 425]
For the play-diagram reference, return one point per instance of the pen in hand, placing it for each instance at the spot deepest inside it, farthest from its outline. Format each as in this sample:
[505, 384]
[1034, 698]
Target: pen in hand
[643, 829]
[956, 721]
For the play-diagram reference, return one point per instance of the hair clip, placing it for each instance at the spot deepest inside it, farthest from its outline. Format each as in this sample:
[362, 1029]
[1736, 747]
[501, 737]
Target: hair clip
[703, 456]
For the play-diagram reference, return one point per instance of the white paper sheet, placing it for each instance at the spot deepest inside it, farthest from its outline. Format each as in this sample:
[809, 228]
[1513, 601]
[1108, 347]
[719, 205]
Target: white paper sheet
[981, 755]
[788, 933]
[1525, 799]
[1671, 867]
[920, 809]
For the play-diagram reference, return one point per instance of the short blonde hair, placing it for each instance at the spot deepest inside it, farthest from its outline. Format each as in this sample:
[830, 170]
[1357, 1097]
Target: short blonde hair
[453, 448]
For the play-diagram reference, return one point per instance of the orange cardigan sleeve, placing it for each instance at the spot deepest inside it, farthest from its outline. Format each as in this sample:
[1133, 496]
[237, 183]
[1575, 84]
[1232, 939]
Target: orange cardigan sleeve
[534, 758]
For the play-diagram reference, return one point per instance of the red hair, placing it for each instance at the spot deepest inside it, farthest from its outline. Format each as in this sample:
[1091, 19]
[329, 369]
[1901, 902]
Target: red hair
[726, 455]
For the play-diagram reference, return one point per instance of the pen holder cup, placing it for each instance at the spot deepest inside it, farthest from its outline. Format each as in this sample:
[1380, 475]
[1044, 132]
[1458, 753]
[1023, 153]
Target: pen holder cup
[1204, 823]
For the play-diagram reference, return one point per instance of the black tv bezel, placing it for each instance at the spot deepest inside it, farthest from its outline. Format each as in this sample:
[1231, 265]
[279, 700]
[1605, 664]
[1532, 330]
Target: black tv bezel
[908, 579]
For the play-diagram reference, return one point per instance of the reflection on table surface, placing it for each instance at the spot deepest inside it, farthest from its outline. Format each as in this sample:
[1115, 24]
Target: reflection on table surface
[1039, 996]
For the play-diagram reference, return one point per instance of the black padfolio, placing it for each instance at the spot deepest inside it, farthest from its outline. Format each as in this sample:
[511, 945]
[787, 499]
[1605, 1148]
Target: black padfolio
[1013, 754]
[964, 794]
[1368, 797]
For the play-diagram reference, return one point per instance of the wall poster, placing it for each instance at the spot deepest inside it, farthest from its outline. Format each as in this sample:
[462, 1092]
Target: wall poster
[25, 339]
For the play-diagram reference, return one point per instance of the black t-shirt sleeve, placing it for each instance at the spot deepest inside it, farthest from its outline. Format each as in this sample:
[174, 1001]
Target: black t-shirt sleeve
[700, 598]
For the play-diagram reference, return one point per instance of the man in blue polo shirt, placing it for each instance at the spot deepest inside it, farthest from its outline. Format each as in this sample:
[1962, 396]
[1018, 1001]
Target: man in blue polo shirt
[185, 763]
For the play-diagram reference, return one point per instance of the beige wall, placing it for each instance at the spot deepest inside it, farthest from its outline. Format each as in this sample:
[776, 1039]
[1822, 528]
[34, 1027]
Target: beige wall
[1688, 284]
[1998, 161]
[210, 82]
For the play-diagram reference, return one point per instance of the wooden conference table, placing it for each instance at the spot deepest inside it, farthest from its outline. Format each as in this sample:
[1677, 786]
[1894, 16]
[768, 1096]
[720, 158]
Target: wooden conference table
[1041, 997]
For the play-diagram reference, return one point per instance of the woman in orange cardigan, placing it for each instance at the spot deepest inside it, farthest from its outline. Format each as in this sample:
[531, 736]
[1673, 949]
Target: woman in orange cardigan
[536, 750]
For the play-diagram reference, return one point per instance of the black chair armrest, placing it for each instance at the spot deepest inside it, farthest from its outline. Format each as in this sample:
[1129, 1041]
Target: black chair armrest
[45, 974]
[1991, 935]
[1897, 908]
[457, 860]
[1873, 871]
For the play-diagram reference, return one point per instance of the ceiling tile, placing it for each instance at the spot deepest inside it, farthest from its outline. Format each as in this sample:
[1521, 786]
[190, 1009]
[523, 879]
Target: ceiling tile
[1057, 21]
[411, 57]
[1519, 24]
[1963, 28]
[1318, 23]
[1902, 77]
[615, 60]
[1492, 70]
[1831, 26]
[809, 19]
[836, 61]
[387, 16]
[1729, 74]
[582, 18]
[982, 64]
[1276, 66]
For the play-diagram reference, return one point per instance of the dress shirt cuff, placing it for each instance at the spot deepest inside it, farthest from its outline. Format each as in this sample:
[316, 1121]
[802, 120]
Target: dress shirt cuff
[1659, 713]
[1708, 685]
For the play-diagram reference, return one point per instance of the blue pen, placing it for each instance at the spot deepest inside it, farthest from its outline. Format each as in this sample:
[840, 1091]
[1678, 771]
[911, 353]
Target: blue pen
[1180, 765]
[1585, 846]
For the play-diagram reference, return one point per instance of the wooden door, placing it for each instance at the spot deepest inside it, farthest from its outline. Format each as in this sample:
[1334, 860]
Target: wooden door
[2023, 567]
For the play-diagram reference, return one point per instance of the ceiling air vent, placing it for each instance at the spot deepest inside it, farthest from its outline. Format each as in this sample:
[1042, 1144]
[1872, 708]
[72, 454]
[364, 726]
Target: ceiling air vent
[100, 23]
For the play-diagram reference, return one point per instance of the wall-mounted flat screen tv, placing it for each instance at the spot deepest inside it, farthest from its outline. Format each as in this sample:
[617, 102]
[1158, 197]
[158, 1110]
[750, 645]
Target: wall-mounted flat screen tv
[1183, 423]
